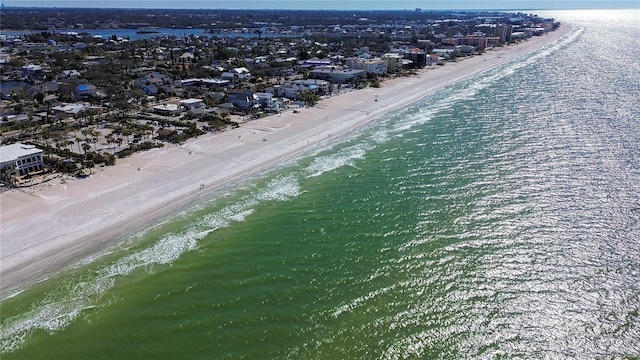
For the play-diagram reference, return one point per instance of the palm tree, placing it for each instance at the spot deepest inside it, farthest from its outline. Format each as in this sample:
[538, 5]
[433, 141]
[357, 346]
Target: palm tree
[85, 147]
[46, 135]
[110, 139]
[125, 133]
[8, 175]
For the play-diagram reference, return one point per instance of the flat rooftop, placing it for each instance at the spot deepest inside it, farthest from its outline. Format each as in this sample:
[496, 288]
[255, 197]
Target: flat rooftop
[13, 152]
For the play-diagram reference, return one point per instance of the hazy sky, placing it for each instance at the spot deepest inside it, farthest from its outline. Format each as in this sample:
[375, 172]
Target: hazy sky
[332, 4]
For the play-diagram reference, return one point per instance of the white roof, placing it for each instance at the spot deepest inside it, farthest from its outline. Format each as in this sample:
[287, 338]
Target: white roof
[13, 152]
[71, 108]
[241, 70]
[191, 101]
[215, 81]
[167, 107]
[32, 67]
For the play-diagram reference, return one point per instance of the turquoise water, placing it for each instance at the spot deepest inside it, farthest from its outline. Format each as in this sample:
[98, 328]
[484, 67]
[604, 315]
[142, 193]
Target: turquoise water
[498, 217]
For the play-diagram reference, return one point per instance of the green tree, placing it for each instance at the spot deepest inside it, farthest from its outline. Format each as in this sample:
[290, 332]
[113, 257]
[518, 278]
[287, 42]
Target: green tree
[309, 97]
[85, 147]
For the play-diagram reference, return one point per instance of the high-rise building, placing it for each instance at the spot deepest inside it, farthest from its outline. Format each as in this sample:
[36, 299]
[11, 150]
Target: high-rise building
[504, 32]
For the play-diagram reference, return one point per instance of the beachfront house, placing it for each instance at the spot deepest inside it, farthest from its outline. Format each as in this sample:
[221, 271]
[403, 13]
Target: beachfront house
[242, 99]
[337, 76]
[266, 100]
[444, 53]
[370, 66]
[394, 61]
[165, 134]
[417, 56]
[19, 160]
[293, 89]
[320, 87]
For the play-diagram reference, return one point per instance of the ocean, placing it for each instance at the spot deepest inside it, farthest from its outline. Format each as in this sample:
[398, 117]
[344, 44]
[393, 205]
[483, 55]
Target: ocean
[496, 218]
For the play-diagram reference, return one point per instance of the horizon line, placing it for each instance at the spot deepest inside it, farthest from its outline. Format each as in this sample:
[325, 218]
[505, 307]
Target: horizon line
[338, 10]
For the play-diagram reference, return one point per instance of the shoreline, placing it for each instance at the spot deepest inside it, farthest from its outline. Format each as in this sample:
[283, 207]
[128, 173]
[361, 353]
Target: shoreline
[49, 228]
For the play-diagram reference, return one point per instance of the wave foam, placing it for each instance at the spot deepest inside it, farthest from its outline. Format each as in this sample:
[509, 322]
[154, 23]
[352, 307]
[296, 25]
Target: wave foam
[65, 304]
[344, 157]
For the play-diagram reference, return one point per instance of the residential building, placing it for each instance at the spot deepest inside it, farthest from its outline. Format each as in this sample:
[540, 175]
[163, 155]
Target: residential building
[65, 109]
[337, 76]
[190, 82]
[31, 70]
[266, 100]
[321, 87]
[316, 62]
[4, 58]
[186, 57]
[167, 109]
[164, 134]
[19, 160]
[417, 56]
[83, 91]
[215, 83]
[394, 61]
[158, 79]
[70, 74]
[444, 53]
[244, 100]
[191, 104]
[149, 89]
[373, 66]
[237, 74]
[479, 41]
[504, 33]
[292, 89]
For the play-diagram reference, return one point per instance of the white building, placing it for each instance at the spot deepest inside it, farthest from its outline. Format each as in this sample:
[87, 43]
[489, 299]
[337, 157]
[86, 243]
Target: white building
[20, 159]
[372, 66]
[240, 73]
[292, 90]
[66, 109]
[266, 99]
[394, 61]
[337, 76]
[167, 109]
[191, 104]
[31, 70]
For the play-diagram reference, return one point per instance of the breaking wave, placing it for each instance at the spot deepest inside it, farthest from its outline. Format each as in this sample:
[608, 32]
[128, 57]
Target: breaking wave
[65, 304]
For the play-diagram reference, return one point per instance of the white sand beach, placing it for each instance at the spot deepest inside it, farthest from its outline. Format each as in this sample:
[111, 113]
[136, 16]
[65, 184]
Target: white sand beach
[50, 227]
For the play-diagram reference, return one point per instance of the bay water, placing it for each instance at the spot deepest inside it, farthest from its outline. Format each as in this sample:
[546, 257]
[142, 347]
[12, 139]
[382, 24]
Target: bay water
[498, 217]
